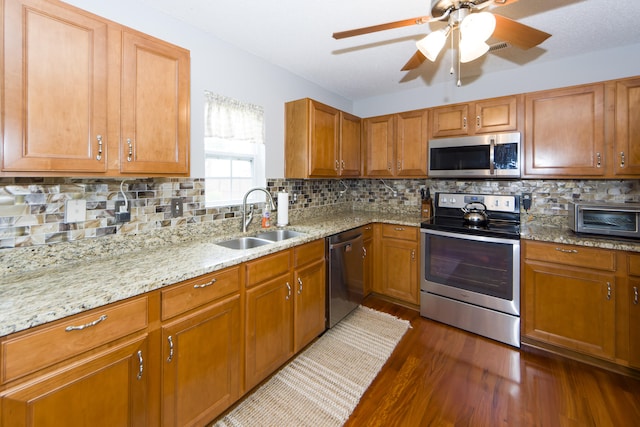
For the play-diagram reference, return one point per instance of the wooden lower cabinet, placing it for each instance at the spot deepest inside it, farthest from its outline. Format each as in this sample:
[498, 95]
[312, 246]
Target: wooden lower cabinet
[399, 263]
[106, 389]
[634, 322]
[201, 363]
[310, 293]
[368, 263]
[570, 302]
[268, 336]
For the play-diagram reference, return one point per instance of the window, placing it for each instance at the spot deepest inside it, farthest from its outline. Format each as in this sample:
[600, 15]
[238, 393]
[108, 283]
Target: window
[234, 150]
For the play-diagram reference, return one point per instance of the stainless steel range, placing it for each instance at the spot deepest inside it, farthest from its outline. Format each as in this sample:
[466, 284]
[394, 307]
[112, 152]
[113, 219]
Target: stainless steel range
[470, 266]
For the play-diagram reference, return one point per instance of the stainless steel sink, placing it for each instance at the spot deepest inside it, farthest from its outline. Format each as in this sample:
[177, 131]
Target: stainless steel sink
[245, 243]
[278, 235]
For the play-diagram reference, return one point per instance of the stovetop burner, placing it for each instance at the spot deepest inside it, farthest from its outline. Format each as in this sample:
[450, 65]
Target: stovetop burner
[503, 215]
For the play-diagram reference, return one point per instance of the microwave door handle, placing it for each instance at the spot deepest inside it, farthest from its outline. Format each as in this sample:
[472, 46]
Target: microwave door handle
[492, 143]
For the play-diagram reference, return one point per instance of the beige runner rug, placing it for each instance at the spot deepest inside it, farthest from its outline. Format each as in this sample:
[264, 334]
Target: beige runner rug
[323, 385]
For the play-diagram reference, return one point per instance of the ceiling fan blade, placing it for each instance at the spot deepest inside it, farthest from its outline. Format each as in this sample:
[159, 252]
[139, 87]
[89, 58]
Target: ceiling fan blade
[381, 27]
[518, 34]
[416, 60]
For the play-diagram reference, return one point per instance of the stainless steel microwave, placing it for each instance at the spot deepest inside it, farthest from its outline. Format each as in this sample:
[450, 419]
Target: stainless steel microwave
[480, 156]
[606, 219]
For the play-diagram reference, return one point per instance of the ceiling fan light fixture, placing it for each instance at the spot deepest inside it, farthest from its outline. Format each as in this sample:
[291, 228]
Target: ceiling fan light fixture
[432, 44]
[478, 26]
[472, 50]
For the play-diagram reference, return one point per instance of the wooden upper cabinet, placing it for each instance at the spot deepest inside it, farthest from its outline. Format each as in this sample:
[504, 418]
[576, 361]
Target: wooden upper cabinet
[378, 133]
[79, 88]
[320, 141]
[565, 132]
[411, 143]
[155, 107]
[395, 145]
[350, 139]
[626, 156]
[55, 89]
[489, 115]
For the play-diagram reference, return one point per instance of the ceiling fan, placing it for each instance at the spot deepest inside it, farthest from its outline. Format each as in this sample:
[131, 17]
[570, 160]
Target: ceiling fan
[475, 26]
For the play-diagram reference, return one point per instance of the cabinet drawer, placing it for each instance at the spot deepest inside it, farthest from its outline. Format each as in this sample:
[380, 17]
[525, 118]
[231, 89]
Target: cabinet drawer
[634, 265]
[201, 290]
[400, 232]
[310, 252]
[267, 267]
[67, 338]
[579, 256]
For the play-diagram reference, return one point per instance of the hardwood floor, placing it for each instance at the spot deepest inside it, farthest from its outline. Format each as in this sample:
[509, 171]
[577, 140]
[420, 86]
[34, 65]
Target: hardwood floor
[441, 376]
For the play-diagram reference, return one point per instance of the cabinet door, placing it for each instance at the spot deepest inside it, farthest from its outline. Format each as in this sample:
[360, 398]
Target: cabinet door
[450, 121]
[634, 323]
[201, 364]
[400, 270]
[309, 307]
[626, 158]
[564, 132]
[155, 107]
[325, 133]
[379, 138]
[269, 340]
[411, 143]
[55, 89]
[496, 115]
[570, 307]
[109, 389]
[350, 145]
[367, 267]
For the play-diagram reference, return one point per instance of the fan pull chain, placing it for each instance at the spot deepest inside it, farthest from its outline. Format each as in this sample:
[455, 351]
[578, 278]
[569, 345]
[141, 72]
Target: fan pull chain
[459, 40]
[451, 71]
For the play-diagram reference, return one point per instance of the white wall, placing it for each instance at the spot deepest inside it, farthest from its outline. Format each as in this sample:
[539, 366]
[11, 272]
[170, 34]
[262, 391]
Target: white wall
[221, 68]
[594, 67]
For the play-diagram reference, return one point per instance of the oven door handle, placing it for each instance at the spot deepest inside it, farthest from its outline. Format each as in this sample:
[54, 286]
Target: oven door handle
[464, 236]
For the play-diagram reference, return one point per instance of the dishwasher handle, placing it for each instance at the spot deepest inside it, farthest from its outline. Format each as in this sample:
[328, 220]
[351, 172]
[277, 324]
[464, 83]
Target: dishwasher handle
[351, 241]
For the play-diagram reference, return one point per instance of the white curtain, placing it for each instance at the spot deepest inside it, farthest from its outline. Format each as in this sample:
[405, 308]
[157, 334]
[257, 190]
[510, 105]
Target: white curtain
[229, 119]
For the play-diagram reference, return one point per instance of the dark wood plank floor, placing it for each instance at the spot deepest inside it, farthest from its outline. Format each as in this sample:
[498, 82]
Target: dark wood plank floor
[441, 376]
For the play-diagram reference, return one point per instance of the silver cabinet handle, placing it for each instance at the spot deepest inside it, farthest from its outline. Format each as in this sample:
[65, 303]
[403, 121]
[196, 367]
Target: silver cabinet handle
[388, 165]
[599, 157]
[130, 144]
[86, 325]
[342, 164]
[413, 254]
[622, 159]
[567, 251]
[299, 286]
[140, 365]
[478, 121]
[464, 123]
[364, 252]
[635, 295]
[288, 291]
[170, 340]
[608, 291]
[337, 165]
[204, 285]
[99, 156]
[399, 228]
[399, 165]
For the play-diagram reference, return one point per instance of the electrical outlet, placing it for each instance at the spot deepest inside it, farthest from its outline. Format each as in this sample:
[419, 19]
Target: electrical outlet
[122, 214]
[75, 210]
[526, 201]
[176, 207]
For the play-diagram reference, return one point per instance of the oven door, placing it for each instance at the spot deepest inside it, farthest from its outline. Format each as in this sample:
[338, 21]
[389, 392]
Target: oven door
[478, 270]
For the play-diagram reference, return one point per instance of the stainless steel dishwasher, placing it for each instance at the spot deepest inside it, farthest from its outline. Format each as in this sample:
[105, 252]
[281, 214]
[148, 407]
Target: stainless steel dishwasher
[345, 287]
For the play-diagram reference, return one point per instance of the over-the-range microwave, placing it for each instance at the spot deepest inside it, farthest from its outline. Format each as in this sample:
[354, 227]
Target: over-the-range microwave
[481, 156]
[606, 219]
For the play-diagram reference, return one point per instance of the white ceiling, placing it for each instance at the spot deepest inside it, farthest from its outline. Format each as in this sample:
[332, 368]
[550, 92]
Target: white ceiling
[296, 35]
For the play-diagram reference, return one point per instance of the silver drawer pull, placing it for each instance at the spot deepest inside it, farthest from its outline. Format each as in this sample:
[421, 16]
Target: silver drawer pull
[170, 340]
[87, 325]
[300, 286]
[288, 291]
[204, 285]
[567, 251]
[399, 228]
[140, 365]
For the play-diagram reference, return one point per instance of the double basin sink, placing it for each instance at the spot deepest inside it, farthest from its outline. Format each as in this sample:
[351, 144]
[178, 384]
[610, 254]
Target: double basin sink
[260, 239]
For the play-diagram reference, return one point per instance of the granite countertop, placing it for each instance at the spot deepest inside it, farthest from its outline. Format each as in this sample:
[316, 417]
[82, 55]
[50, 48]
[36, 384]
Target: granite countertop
[46, 294]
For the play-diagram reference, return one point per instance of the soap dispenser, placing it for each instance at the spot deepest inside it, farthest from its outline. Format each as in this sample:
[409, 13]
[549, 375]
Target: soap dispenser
[266, 217]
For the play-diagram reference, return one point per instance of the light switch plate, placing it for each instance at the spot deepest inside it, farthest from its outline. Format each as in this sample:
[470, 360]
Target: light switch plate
[176, 207]
[75, 210]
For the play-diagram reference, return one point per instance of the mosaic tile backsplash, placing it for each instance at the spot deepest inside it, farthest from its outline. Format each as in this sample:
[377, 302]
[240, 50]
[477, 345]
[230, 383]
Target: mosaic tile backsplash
[32, 209]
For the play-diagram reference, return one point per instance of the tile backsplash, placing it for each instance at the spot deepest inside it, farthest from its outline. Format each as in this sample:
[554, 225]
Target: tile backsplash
[32, 209]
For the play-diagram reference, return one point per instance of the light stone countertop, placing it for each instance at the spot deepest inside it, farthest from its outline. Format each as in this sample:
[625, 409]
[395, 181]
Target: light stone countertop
[46, 294]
